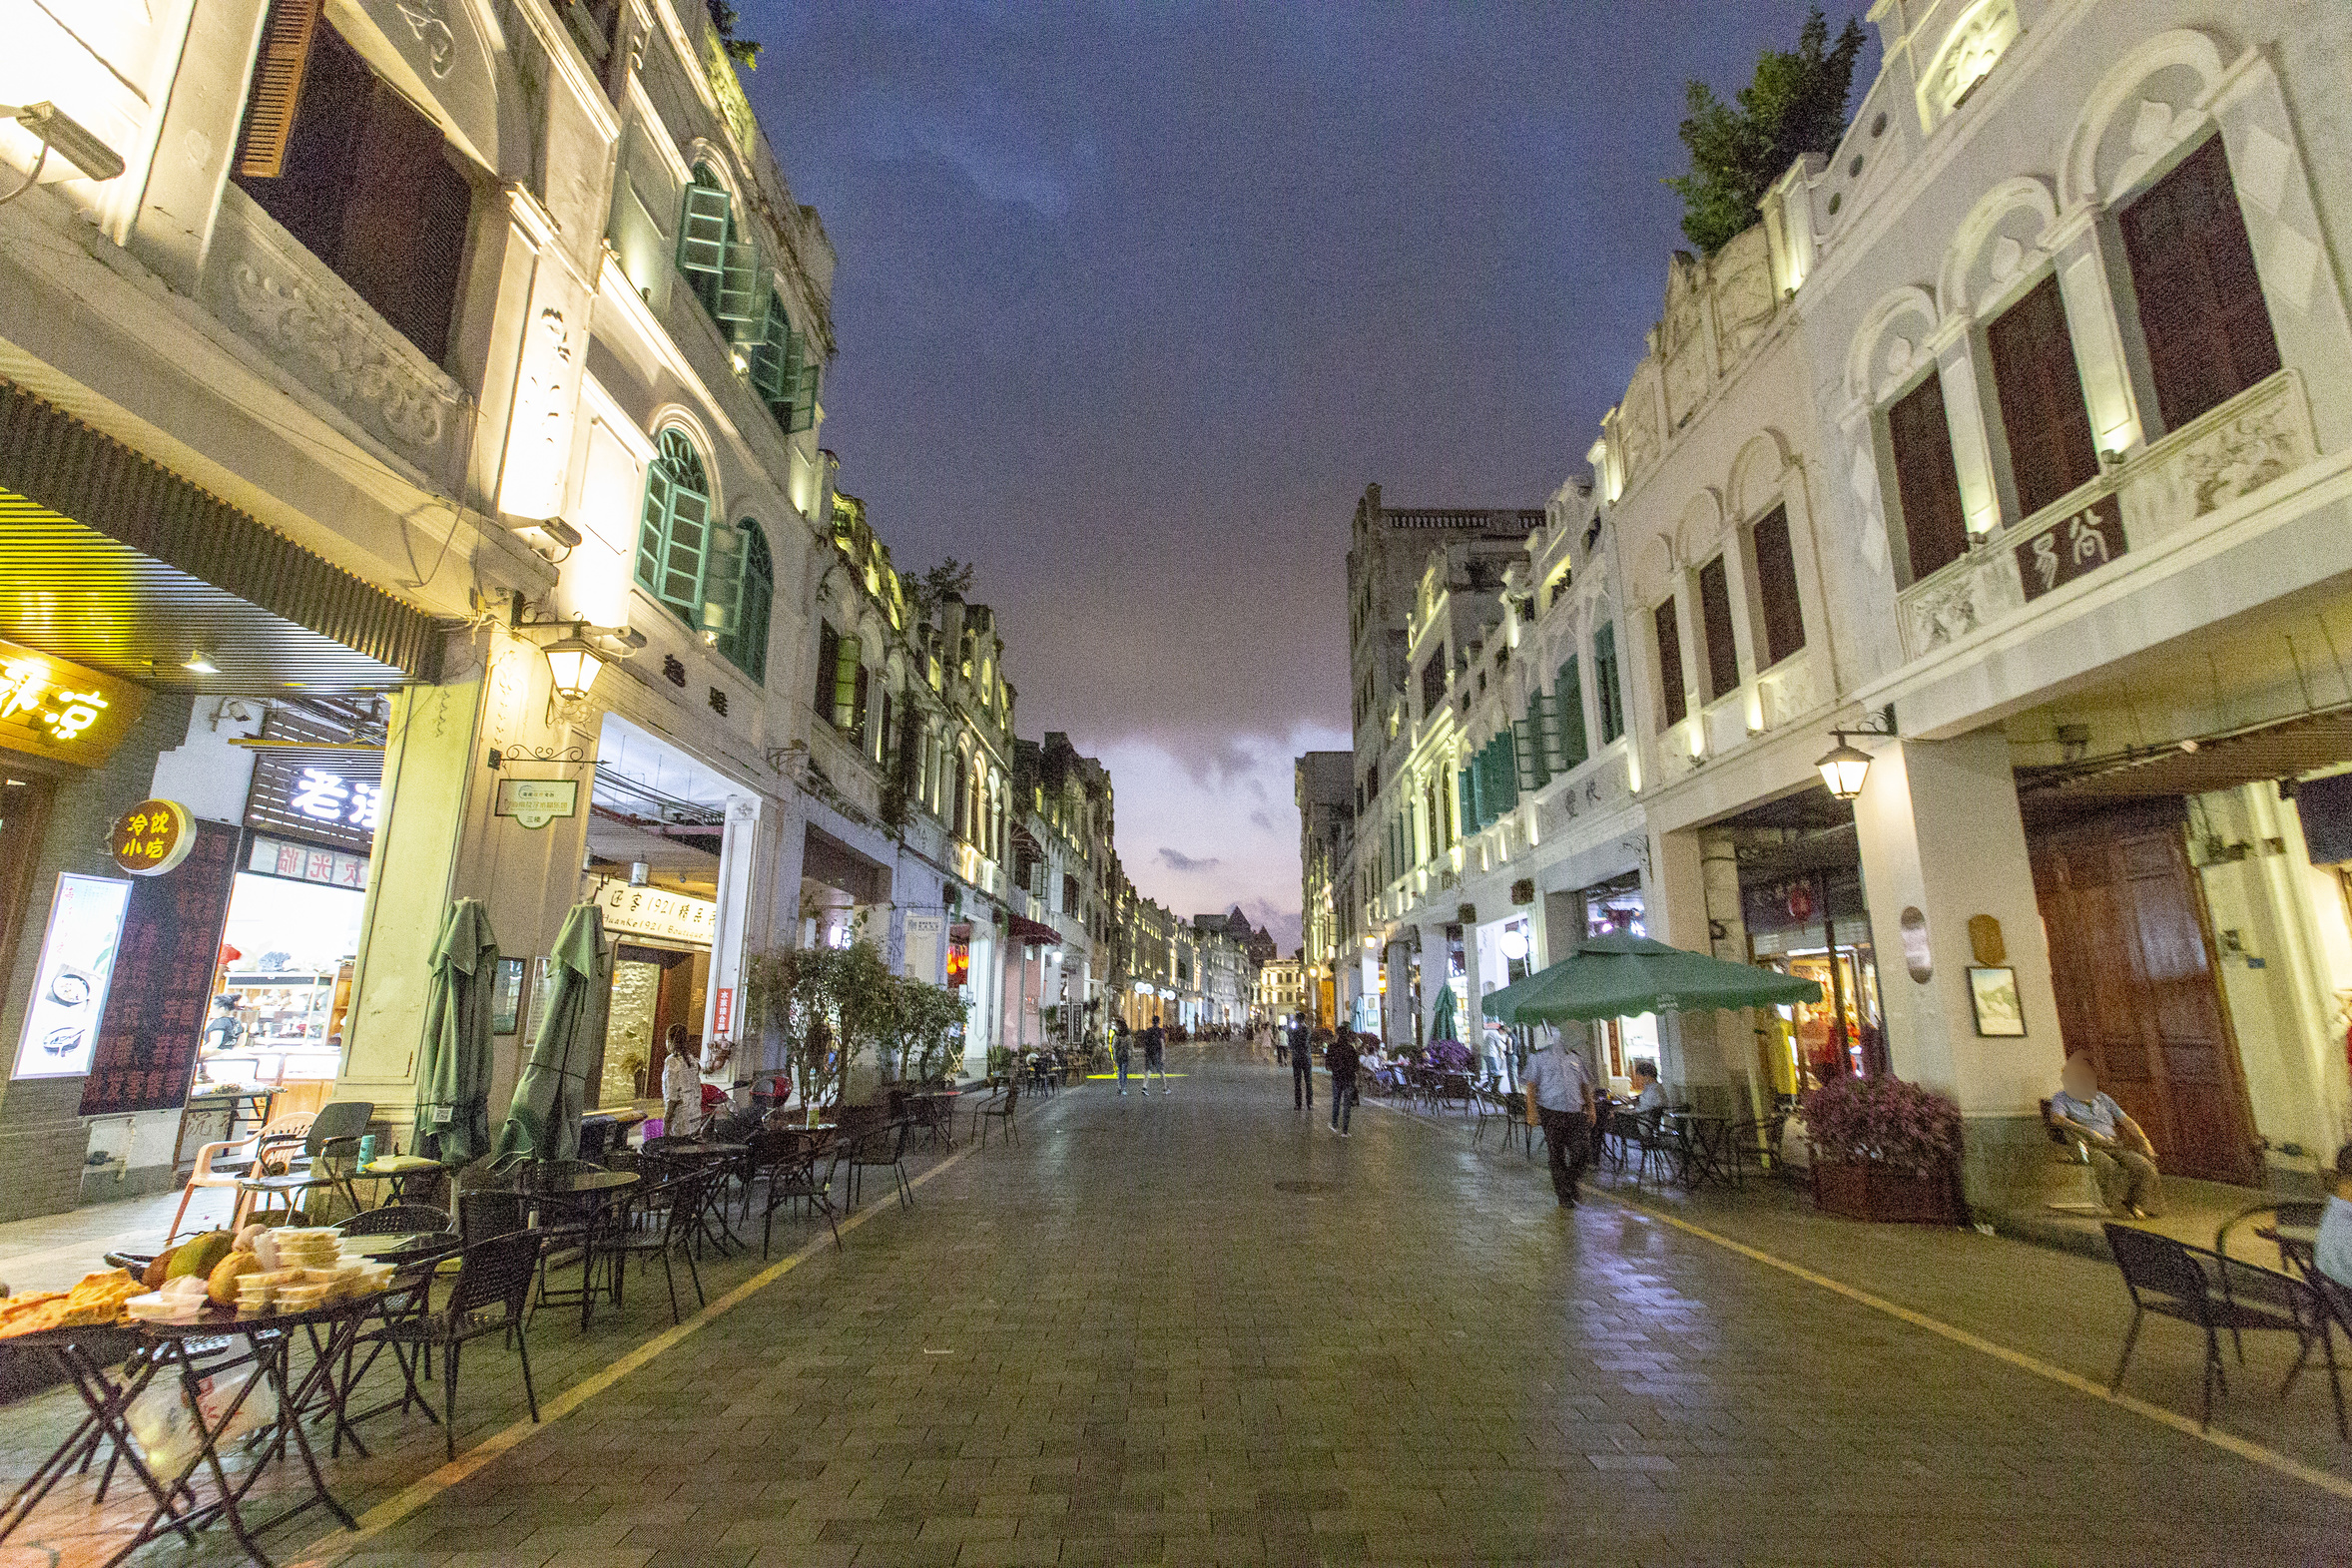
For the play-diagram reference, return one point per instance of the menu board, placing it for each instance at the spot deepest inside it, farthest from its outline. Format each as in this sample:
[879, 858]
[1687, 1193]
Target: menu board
[155, 1014]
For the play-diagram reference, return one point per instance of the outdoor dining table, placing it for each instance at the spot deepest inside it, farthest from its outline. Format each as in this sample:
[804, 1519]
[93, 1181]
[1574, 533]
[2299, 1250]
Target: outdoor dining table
[81, 1356]
[177, 1349]
[290, 1184]
[581, 1196]
[699, 1151]
[1699, 1138]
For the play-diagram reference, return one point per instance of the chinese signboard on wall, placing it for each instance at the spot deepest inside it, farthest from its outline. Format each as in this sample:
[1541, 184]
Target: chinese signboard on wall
[657, 912]
[2070, 547]
[323, 796]
[50, 708]
[305, 863]
[152, 837]
[155, 1015]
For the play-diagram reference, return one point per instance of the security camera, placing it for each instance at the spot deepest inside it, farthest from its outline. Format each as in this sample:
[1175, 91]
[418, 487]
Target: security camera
[62, 134]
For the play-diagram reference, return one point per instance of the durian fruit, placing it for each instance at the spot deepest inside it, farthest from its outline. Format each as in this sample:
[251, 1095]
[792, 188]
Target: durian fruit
[221, 1285]
[200, 1254]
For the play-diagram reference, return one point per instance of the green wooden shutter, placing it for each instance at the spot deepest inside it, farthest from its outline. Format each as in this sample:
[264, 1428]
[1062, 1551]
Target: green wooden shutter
[722, 591]
[1506, 769]
[741, 305]
[744, 642]
[1534, 760]
[1466, 800]
[774, 362]
[654, 532]
[804, 390]
[702, 230]
[685, 551]
[847, 667]
[1568, 703]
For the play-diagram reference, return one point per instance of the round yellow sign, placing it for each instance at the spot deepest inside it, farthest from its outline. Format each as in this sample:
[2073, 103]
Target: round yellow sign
[152, 837]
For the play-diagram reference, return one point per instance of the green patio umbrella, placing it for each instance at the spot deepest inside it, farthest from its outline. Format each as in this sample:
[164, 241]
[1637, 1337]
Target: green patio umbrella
[454, 1080]
[1444, 1023]
[1619, 976]
[544, 1120]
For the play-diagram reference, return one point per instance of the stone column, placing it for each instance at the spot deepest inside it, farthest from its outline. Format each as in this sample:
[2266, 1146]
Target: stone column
[1940, 836]
[1700, 1064]
[1433, 965]
[739, 857]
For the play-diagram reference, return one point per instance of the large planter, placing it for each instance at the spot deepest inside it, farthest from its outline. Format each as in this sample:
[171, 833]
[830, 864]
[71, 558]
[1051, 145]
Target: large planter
[1885, 1195]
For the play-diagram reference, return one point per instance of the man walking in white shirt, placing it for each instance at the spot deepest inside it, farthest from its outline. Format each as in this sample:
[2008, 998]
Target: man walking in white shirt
[1559, 1100]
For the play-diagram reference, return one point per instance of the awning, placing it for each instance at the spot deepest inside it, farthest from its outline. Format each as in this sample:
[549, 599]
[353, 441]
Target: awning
[1619, 976]
[116, 562]
[1025, 929]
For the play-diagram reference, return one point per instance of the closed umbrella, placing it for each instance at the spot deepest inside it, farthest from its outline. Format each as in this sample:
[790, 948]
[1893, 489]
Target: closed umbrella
[454, 1080]
[1622, 976]
[1443, 1025]
[544, 1120]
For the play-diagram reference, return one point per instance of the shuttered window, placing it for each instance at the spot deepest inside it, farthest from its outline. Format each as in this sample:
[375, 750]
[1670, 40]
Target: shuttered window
[358, 177]
[1715, 622]
[674, 543]
[705, 227]
[744, 642]
[2200, 299]
[1776, 586]
[849, 685]
[1534, 757]
[1675, 701]
[829, 654]
[277, 88]
[1927, 482]
[1433, 683]
[1608, 694]
[2042, 411]
[1567, 706]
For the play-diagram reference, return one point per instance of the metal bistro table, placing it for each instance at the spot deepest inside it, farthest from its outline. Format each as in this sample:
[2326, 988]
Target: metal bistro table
[582, 1197]
[412, 1256]
[694, 1151]
[290, 1187]
[269, 1337]
[104, 1399]
[935, 1112]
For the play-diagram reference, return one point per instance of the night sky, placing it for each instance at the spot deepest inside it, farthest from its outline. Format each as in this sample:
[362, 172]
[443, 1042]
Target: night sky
[1132, 302]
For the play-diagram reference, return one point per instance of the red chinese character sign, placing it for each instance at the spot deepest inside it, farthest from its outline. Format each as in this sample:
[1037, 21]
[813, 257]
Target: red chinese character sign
[156, 1011]
[152, 837]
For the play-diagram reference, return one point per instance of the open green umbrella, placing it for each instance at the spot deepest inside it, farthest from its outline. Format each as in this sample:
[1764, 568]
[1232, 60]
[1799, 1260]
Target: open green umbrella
[1619, 976]
[1442, 1024]
[544, 1120]
[454, 1080]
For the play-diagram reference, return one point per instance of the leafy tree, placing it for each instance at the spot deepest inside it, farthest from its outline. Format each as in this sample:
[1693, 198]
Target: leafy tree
[1796, 105]
[744, 52]
[944, 579]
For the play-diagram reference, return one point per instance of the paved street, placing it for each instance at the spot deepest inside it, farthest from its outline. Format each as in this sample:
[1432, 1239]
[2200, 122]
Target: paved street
[1200, 1329]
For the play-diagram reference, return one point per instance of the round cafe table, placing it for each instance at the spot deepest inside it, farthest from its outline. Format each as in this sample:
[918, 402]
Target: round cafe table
[699, 1151]
[579, 1198]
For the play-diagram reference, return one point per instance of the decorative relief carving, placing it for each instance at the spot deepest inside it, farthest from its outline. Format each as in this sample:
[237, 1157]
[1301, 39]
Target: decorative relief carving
[2262, 434]
[1637, 425]
[1969, 51]
[429, 23]
[314, 326]
[1686, 382]
[1792, 693]
[1970, 593]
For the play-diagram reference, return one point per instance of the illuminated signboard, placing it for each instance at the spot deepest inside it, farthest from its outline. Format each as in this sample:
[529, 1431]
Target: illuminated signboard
[325, 796]
[657, 912]
[152, 837]
[69, 988]
[50, 708]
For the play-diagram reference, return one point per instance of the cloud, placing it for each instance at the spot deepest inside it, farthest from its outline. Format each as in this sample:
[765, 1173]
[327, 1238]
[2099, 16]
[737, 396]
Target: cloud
[1176, 861]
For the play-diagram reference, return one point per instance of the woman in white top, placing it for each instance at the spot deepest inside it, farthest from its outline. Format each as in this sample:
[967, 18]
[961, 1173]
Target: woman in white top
[682, 1085]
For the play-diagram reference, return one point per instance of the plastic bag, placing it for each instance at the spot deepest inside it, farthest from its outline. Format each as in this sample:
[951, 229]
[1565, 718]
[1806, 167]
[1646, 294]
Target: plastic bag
[165, 1427]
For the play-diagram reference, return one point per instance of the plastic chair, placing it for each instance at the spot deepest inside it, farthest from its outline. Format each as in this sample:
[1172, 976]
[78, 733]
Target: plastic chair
[225, 1164]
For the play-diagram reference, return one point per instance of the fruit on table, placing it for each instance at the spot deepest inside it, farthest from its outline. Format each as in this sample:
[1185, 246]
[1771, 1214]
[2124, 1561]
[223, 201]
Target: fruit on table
[221, 1285]
[198, 1256]
[157, 1269]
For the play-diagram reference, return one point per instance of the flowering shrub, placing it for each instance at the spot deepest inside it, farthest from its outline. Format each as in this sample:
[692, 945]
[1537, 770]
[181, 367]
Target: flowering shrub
[1854, 1120]
[1448, 1056]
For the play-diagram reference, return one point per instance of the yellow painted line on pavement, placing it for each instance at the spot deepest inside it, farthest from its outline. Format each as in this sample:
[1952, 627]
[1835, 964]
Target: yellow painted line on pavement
[2252, 1452]
[401, 1504]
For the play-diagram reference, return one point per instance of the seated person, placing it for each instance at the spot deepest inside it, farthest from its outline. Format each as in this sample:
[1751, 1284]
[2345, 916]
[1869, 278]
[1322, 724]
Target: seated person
[2121, 1153]
[1649, 1098]
[2333, 1252]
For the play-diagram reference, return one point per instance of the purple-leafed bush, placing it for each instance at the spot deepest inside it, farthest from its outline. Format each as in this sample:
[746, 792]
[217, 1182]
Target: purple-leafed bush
[1450, 1056]
[1853, 1121]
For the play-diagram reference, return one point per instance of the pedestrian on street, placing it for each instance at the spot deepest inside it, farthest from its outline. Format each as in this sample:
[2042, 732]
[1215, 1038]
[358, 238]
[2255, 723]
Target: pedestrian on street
[1122, 1046]
[1560, 1099]
[1341, 1057]
[682, 1084]
[1155, 1055]
[1302, 1067]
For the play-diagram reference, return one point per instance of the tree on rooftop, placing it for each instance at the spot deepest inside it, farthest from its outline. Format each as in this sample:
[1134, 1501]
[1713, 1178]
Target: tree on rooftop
[1796, 105]
[944, 579]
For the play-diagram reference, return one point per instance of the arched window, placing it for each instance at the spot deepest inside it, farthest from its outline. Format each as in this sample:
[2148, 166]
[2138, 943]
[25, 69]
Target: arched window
[674, 545]
[745, 639]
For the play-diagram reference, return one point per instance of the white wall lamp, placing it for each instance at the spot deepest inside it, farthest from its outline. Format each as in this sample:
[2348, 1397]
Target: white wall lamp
[1846, 765]
[572, 660]
[65, 136]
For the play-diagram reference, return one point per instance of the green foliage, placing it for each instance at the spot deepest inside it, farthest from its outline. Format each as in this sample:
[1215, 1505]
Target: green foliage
[947, 578]
[918, 1040]
[744, 52]
[1796, 105]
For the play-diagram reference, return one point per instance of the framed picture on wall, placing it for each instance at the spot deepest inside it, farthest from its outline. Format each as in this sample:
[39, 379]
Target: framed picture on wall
[1992, 993]
[506, 997]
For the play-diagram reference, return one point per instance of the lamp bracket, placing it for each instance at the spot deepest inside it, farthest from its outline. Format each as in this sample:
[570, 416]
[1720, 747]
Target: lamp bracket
[562, 756]
[1880, 724]
[519, 618]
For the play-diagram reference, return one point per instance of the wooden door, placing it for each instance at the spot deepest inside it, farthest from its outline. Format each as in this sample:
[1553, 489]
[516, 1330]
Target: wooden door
[2133, 969]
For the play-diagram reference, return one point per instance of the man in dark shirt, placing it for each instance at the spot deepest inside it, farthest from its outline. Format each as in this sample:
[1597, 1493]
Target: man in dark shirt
[1302, 1067]
[1341, 1057]
[1155, 1055]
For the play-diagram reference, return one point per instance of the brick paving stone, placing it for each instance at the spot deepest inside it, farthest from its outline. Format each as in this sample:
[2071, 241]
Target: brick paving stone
[1122, 1343]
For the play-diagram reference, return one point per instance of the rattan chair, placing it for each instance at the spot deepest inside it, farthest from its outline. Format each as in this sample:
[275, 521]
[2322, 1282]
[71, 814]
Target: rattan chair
[491, 1294]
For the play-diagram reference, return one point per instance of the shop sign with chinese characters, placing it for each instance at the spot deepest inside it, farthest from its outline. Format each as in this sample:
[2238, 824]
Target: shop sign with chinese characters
[307, 864]
[2070, 547]
[156, 1012]
[535, 803]
[316, 800]
[50, 708]
[657, 912]
[152, 837]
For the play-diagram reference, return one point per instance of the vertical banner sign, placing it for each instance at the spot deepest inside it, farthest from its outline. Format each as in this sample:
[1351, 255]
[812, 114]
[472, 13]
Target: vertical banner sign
[155, 1014]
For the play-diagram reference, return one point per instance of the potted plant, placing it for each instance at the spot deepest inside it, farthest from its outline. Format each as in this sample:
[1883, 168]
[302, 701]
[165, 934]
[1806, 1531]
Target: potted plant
[1884, 1150]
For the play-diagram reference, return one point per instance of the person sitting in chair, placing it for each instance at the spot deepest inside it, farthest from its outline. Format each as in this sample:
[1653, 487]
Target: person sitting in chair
[2121, 1153]
[2333, 1252]
[1649, 1098]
